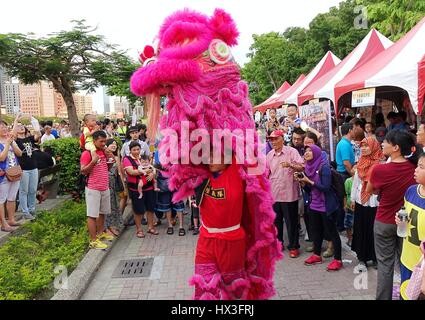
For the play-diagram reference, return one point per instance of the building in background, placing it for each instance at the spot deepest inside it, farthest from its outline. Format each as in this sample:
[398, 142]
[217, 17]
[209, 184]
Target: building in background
[121, 107]
[11, 97]
[83, 105]
[138, 110]
[37, 99]
[106, 102]
[9, 93]
[30, 99]
[3, 76]
[41, 99]
[47, 97]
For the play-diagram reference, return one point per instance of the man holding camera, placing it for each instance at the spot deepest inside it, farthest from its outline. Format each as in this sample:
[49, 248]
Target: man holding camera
[282, 163]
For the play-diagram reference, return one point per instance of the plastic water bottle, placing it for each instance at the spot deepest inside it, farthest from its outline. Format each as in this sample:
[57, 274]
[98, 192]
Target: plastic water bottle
[402, 227]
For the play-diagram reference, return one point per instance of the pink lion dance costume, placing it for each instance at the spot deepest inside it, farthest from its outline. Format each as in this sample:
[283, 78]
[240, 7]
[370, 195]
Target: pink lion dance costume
[193, 66]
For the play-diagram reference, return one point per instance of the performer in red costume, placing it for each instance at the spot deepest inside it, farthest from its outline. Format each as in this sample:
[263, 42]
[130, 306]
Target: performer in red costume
[221, 251]
[193, 66]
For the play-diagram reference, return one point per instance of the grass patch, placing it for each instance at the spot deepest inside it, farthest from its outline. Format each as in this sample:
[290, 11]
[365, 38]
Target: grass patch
[27, 262]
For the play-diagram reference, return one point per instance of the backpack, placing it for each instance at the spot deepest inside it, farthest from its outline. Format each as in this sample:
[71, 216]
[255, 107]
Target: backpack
[82, 142]
[83, 179]
[337, 184]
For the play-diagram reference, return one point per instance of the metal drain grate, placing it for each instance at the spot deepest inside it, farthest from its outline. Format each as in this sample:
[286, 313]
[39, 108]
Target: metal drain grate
[134, 268]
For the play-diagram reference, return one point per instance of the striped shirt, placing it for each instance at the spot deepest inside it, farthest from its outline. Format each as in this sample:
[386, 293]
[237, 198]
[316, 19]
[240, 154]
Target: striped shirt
[411, 253]
[99, 175]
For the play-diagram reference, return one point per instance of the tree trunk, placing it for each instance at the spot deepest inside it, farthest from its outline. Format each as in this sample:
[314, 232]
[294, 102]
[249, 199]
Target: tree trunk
[62, 86]
[272, 82]
[74, 124]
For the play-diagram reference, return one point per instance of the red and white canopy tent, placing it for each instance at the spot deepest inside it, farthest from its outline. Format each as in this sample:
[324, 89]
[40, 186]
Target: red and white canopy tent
[328, 62]
[324, 87]
[402, 65]
[280, 100]
[271, 102]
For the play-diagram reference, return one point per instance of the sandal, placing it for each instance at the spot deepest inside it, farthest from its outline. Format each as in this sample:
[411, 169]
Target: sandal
[153, 231]
[14, 224]
[114, 232]
[158, 223]
[182, 232]
[140, 234]
[170, 230]
[8, 229]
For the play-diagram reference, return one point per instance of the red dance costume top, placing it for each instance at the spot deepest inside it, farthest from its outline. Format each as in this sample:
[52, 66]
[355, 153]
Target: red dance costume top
[222, 204]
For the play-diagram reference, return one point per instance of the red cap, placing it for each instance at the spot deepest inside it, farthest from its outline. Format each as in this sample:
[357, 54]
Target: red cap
[276, 133]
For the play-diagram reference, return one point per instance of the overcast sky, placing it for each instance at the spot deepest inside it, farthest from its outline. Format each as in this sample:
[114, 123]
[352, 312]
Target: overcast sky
[134, 23]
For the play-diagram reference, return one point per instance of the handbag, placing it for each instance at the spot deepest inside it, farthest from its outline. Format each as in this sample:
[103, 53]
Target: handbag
[14, 173]
[416, 284]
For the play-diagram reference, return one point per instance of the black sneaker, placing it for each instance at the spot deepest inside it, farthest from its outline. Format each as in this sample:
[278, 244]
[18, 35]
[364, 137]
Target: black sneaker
[195, 231]
[191, 227]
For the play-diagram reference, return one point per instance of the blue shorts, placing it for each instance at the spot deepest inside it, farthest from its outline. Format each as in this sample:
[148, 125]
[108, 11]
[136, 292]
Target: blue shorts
[165, 204]
[349, 219]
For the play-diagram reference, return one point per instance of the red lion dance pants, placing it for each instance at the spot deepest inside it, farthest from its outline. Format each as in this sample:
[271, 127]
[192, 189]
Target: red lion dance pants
[220, 270]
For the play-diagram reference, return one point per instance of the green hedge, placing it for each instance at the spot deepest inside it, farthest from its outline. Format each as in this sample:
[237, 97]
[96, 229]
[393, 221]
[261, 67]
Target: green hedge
[69, 153]
[27, 262]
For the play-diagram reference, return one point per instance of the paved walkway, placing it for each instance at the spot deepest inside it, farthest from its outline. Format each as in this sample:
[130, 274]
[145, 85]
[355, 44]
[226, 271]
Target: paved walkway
[173, 266]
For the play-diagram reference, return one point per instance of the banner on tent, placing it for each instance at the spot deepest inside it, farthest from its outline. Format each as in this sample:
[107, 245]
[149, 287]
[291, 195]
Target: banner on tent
[318, 116]
[363, 98]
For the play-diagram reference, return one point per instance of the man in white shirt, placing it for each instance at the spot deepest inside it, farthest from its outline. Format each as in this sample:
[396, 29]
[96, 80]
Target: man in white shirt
[134, 136]
[47, 134]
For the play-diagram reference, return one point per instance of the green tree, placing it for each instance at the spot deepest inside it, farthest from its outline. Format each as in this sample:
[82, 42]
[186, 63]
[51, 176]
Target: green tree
[394, 18]
[121, 87]
[336, 30]
[71, 60]
[263, 69]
